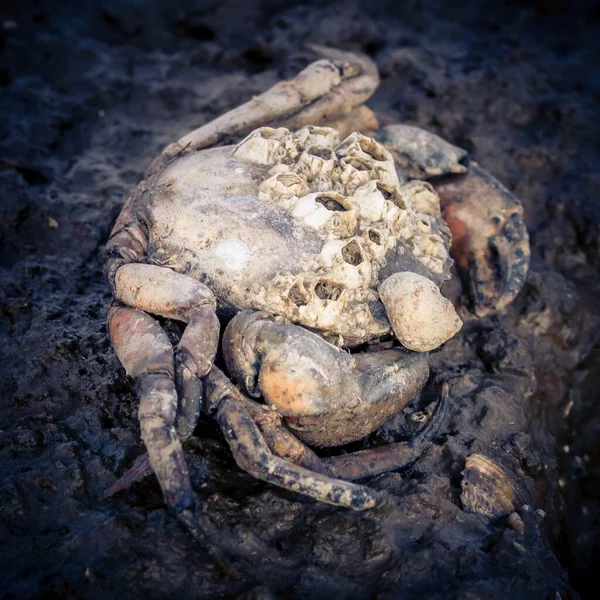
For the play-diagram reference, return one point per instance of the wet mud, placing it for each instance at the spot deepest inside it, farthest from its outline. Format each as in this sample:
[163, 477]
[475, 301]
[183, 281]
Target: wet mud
[89, 93]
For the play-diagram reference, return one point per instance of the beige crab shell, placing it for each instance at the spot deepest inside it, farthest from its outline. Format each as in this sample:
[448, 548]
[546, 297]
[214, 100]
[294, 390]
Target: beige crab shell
[298, 224]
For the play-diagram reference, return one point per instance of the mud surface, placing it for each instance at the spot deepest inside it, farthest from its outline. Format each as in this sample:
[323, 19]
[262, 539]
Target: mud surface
[88, 96]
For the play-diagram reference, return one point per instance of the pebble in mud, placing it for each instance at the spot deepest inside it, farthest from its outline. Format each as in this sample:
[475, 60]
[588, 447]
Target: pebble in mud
[515, 522]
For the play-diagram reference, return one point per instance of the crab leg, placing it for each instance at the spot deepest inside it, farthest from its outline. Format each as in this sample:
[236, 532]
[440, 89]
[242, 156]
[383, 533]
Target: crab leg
[360, 79]
[252, 454]
[391, 457]
[327, 88]
[193, 359]
[127, 246]
[147, 355]
[164, 292]
[350, 467]
[281, 442]
[128, 238]
[140, 469]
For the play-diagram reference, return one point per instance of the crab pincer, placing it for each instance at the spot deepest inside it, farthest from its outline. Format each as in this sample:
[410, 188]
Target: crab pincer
[490, 244]
[490, 241]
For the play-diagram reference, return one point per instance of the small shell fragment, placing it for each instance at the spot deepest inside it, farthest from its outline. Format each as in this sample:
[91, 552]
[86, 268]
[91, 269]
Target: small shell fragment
[519, 548]
[515, 522]
[487, 488]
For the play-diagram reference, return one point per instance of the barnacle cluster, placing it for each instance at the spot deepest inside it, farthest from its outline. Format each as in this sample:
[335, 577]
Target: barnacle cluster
[350, 193]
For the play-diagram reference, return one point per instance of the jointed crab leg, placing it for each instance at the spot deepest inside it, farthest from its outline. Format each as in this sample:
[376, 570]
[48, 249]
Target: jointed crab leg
[352, 466]
[252, 454]
[367, 463]
[360, 78]
[128, 238]
[147, 355]
[140, 469]
[160, 291]
[283, 443]
[193, 359]
[328, 88]
[280, 440]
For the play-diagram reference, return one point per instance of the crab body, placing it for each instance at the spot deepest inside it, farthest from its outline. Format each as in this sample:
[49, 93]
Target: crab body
[208, 222]
[289, 243]
[308, 244]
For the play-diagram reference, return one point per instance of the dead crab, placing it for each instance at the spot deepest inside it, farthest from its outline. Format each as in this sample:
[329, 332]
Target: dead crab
[309, 236]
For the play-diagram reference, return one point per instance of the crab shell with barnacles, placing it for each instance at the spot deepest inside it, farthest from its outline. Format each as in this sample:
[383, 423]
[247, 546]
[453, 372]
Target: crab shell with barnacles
[317, 232]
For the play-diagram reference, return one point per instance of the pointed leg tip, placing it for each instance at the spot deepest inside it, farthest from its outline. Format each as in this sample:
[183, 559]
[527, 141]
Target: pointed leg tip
[139, 471]
[113, 490]
[359, 63]
[371, 501]
[328, 52]
[318, 48]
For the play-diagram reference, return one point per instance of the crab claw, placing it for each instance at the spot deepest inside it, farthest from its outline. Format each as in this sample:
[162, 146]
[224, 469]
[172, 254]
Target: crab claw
[489, 239]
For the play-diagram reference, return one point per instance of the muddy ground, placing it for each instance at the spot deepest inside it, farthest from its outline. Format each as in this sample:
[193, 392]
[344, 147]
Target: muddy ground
[90, 92]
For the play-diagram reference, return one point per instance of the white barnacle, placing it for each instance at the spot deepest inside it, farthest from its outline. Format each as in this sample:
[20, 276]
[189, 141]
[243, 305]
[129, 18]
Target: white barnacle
[434, 246]
[348, 193]
[424, 223]
[329, 212]
[423, 197]
[370, 201]
[351, 173]
[282, 186]
[316, 162]
[375, 239]
[313, 135]
[264, 146]
[345, 263]
[371, 152]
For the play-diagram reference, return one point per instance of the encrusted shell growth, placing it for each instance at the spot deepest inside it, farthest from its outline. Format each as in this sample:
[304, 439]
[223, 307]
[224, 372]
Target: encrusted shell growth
[350, 194]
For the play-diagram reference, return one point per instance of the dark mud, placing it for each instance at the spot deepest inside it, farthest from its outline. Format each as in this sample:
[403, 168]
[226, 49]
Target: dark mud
[89, 93]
